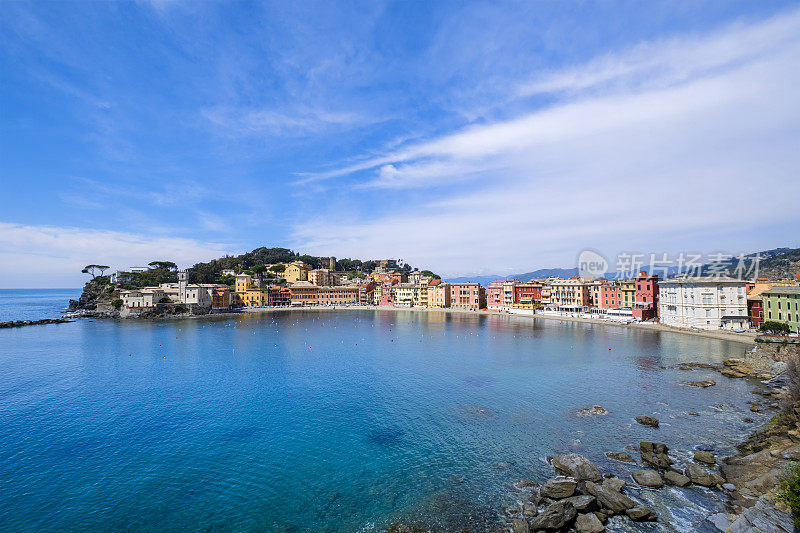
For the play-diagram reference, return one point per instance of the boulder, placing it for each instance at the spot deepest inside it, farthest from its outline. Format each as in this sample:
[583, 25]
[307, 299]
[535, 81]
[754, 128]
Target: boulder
[529, 509]
[655, 454]
[595, 410]
[613, 500]
[555, 516]
[705, 457]
[641, 513]
[583, 502]
[647, 421]
[702, 476]
[520, 525]
[559, 488]
[737, 368]
[620, 456]
[577, 466]
[676, 478]
[648, 478]
[702, 384]
[719, 521]
[588, 523]
[614, 483]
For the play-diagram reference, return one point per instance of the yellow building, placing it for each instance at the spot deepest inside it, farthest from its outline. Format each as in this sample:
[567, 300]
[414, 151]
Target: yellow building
[248, 296]
[569, 294]
[439, 295]
[628, 293]
[296, 271]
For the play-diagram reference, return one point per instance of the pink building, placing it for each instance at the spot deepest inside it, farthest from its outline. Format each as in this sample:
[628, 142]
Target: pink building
[494, 295]
[467, 295]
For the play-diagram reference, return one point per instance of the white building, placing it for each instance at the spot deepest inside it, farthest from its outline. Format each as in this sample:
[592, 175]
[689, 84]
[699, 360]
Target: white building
[201, 295]
[404, 294]
[708, 303]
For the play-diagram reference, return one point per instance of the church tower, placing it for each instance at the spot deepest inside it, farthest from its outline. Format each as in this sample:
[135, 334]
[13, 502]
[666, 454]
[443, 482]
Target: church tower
[182, 281]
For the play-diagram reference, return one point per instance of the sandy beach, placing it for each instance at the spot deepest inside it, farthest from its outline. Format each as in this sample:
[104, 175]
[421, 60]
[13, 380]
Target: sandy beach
[744, 338]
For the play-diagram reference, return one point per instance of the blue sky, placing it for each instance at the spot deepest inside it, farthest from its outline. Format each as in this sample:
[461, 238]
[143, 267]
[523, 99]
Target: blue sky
[468, 137]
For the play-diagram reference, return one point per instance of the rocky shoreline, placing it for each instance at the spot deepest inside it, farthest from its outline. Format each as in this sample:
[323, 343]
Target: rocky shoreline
[23, 323]
[581, 498]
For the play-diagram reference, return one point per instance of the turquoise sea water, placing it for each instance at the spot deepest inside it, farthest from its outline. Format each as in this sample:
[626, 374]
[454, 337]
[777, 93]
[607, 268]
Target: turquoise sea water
[328, 421]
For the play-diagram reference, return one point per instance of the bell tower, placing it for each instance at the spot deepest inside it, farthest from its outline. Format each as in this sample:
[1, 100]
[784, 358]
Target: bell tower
[182, 281]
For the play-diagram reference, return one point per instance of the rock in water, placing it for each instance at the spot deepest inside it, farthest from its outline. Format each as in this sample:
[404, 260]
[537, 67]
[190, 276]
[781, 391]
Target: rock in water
[582, 503]
[702, 476]
[577, 466]
[620, 456]
[641, 513]
[648, 478]
[705, 457]
[529, 509]
[647, 421]
[595, 410]
[655, 454]
[588, 523]
[613, 500]
[614, 483]
[677, 479]
[520, 525]
[702, 384]
[559, 488]
[555, 516]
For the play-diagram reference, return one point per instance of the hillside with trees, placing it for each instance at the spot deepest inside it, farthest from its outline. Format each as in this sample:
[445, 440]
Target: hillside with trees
[267, 263]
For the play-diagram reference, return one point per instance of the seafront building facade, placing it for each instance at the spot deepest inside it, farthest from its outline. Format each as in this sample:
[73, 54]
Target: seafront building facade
[706, 303]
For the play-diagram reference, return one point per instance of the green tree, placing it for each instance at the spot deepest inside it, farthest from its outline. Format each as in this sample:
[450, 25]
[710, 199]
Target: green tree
[95, 270]
[773, 326]
[166, 265]
[431, 274]
[117, 303]
[279, 268]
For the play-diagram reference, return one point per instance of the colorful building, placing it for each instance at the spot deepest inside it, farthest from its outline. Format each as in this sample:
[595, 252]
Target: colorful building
[782, 304]
[296, 271]
[404, 294]
[646, 299]
[439, 295]
[303, 294]
[569, 294]
[494, 295]
[468, 295]
[341, 295]
[528, 295]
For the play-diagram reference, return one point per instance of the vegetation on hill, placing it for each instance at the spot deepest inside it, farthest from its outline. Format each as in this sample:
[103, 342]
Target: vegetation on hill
[267, 263]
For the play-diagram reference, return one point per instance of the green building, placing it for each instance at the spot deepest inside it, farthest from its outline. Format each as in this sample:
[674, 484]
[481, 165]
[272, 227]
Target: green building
[783, 304]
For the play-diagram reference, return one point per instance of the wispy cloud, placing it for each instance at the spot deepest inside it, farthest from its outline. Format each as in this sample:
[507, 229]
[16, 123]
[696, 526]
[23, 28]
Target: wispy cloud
[301, 121]
[658, 152]
[48, 256]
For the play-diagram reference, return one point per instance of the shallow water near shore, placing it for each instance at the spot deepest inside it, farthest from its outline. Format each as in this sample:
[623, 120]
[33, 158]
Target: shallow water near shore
[303, 421]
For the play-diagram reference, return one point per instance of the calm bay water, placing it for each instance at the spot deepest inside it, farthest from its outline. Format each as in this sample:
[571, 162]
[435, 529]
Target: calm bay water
[34, 304]
[328, 421]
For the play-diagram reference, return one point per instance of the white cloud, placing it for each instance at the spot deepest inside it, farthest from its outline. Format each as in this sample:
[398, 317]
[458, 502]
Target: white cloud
[47, 256]
[300, 121]
[696, 136]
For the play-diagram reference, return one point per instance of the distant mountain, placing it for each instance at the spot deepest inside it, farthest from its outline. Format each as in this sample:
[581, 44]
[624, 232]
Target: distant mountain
[536, 274]
[778, 263]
